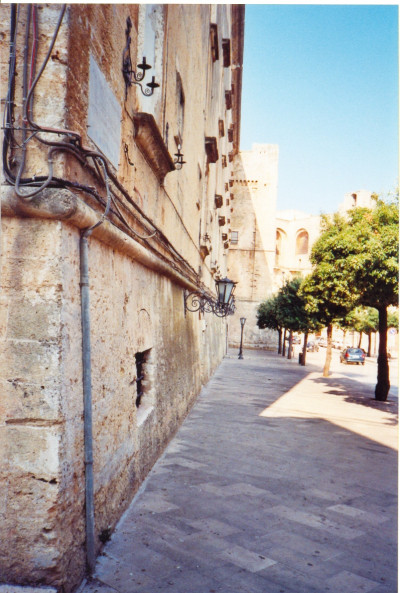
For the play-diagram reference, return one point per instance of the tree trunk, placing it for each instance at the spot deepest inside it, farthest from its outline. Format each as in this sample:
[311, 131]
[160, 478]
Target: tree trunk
[383, 384]
[328, 358]
[289, 354]
[284, 343]
[360, 340]
[304, 353]
[369, 343]
[279, 340]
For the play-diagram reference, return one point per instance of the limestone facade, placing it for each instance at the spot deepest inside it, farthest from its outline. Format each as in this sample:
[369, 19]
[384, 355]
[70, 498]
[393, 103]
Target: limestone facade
[165, 233]
[252, 238]
[295, 234]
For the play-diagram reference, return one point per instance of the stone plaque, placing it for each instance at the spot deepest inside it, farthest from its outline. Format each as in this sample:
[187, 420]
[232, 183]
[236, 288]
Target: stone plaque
[104, 116]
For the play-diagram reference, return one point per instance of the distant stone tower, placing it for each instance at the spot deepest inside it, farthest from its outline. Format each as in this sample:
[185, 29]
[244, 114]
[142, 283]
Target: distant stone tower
[358, 199]
[251, 255]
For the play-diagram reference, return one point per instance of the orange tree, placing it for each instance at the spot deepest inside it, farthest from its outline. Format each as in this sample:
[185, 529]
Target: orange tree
[355, 262]
[267, 317]
[287, 310]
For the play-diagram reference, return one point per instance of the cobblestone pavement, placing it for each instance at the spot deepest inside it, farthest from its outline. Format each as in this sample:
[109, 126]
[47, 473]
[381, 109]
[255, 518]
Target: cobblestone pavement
[279, 481]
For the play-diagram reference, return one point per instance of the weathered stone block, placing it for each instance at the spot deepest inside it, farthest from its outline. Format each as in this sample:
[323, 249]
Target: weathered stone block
[21, 399]
[29, 238]
[35, 277]
[36, 319]
[34, 450]
[36, 362]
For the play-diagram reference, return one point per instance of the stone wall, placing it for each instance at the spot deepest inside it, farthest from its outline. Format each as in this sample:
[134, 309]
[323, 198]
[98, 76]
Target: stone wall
[142, 259]
[252, 257]
[297, 232]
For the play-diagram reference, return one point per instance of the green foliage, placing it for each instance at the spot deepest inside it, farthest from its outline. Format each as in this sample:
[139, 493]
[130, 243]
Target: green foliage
[355, 262]
[287, 309]
[267, 316]
[393, 318]
[292, 308]
[363, 320]
[374, 260]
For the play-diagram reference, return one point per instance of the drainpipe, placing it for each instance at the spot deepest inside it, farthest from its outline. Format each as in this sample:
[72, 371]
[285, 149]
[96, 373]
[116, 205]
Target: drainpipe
[87, 384]
[87, 398]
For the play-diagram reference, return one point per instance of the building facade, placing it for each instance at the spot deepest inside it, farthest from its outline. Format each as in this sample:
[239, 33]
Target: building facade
[295, 234]
[252, 221]
[104, 232]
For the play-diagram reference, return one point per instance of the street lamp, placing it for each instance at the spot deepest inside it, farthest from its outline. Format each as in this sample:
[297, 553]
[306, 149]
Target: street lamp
[221, 306]
[242, 322]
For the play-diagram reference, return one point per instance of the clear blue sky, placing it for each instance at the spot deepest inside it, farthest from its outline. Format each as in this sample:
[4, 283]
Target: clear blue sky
[321, 81]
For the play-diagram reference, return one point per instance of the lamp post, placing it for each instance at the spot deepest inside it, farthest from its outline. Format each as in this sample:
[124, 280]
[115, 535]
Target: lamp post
[242, 322]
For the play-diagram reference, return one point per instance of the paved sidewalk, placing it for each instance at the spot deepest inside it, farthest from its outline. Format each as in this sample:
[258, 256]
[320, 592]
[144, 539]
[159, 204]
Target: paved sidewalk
[279, 481]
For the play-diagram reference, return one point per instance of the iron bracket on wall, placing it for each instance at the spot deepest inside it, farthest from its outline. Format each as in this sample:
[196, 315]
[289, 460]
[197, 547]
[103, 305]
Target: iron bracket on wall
[130, 76]
[199, 301]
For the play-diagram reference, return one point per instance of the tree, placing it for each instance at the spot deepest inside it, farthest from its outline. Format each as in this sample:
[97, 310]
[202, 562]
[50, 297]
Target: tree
[355, 262]
[365, 321]
[374, 267]
[292, 313]
[267, 318]
[286, 310]
[327, 290]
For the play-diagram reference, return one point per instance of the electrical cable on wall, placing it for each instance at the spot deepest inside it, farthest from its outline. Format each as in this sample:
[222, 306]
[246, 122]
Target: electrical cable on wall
[71, 145]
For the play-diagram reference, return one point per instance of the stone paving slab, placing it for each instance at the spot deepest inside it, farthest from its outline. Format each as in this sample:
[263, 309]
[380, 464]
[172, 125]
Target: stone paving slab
[277, 482]
[26, 589]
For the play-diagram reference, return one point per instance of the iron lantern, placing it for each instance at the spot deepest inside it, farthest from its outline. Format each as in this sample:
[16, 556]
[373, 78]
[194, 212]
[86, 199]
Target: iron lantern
[222, 306]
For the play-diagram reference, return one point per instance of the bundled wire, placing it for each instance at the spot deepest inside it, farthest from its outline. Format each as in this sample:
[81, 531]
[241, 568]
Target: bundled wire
[8, 118]
[27, 106]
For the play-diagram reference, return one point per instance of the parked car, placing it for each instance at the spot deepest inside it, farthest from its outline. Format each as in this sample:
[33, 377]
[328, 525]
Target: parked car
[312, 347]
[353, 356]
[322, 342]
[295, 339]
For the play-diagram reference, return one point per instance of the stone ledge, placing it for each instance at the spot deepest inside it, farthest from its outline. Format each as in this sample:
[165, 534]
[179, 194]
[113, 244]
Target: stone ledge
[151, 145]
[61, 204]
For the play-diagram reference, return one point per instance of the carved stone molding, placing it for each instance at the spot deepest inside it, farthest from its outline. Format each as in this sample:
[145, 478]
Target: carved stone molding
[151, 145]
[204, 251]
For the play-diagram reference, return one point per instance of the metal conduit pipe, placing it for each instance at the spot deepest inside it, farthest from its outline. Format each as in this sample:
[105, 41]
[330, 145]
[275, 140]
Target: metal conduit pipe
[87, 399]
[87, 380]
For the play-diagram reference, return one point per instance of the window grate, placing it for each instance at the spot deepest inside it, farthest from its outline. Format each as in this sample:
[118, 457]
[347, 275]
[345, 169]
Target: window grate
[140, 360]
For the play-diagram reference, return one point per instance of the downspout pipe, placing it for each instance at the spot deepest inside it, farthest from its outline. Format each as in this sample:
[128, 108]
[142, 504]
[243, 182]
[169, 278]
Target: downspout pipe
[87, 399]
[87, 383]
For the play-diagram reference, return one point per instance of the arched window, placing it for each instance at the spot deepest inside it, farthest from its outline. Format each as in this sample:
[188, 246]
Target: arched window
[302, 243]
[279, 245]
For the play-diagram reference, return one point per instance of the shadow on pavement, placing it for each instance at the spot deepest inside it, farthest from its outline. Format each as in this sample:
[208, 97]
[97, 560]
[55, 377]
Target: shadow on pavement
[355, 392]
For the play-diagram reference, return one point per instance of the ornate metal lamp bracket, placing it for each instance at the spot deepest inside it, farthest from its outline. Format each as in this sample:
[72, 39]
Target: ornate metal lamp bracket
[130, 76]
[199, 301]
